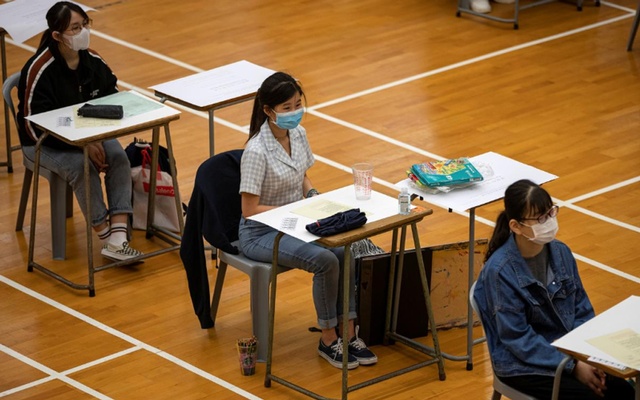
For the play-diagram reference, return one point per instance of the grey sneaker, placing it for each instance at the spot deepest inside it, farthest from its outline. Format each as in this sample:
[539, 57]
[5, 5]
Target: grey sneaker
[360, 350]
[333, 354]
[121, 253]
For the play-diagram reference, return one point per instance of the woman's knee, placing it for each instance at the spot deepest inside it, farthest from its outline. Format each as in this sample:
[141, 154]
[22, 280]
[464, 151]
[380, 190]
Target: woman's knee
[327, 263]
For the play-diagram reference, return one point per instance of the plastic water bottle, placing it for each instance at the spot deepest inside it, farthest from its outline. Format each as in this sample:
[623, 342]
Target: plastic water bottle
[403, 201]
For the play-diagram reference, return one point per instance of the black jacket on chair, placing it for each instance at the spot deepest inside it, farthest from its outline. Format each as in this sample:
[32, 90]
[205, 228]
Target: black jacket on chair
[214, 213]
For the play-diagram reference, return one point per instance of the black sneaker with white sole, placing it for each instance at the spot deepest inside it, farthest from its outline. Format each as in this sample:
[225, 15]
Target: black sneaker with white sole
[333, 354]
[360, 351]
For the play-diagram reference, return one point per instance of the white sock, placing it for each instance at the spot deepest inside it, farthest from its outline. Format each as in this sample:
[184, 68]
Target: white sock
[103, 235]
[118, 234]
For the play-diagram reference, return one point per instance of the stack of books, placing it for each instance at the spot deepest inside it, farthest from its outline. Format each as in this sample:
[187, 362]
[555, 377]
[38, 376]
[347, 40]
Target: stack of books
[451, 172]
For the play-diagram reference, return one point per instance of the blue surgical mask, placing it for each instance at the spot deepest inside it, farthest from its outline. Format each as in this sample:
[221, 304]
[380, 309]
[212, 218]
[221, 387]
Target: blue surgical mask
[289, 120]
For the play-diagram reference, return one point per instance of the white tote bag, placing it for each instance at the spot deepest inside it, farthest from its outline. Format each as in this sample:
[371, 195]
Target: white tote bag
[165, 214]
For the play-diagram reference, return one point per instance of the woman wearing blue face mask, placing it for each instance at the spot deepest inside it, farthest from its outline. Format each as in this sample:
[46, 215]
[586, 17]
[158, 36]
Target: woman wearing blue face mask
[529, 294]
[274, 173]
[63, 72]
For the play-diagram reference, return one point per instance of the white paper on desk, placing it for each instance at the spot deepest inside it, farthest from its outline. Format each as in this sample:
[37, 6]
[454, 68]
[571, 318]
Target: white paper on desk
[623, 315]
[505, 172]
[23, 19]
[50, 121]
[217, 85]
[379, 206]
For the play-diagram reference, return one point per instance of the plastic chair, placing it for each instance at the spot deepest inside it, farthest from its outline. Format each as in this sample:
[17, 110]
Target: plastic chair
[259, 277]
[499, 388]
[634, 28]
[214, 213]
[60, 192]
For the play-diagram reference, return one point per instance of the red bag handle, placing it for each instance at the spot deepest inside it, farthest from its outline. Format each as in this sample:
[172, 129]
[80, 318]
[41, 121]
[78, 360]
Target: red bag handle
[146, 158]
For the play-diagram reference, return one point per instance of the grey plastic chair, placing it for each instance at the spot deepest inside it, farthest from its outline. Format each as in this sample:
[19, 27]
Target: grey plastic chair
[60, 192]
[499, 388]
[259, 280]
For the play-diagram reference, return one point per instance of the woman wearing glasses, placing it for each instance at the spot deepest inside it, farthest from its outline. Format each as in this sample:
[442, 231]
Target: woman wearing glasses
[63, 72]
[529, 294]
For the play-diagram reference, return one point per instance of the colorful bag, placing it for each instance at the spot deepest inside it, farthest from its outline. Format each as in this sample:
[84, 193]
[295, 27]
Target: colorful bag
[165, 213]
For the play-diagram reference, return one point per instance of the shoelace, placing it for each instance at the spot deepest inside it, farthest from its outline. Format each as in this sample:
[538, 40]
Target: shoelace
[337, 347]
[358, 344]
[126, 250]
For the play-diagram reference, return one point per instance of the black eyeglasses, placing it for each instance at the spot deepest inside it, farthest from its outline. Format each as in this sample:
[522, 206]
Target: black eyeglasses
[544, 217]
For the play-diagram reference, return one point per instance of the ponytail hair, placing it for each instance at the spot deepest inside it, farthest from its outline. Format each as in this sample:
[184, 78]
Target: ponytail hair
[276, 89]
[58, 20]
[521, 198]
[500, 234]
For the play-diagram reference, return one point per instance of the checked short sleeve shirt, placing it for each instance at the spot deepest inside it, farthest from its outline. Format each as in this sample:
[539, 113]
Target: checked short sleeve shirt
[266, 170]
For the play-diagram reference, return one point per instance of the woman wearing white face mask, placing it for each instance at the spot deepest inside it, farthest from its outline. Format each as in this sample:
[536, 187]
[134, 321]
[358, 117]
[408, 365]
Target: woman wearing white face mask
[529, 294]
[63, 72]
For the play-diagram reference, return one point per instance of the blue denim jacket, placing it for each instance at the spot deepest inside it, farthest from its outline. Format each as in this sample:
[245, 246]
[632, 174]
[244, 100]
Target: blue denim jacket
[521, 317]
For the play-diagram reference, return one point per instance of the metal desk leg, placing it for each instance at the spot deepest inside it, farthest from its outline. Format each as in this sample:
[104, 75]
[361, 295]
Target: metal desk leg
[7, 116]
[272, 308]
[174, 174]
[391, 325]
[427, 298]
[32, 234]
[87, 185]
[346, 267]
[155, 154]
[471, 277]
[632, 35]
[211, 134]
[34, 200]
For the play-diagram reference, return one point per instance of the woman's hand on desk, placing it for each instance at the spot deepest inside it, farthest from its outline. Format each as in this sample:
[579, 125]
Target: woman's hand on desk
[98, 156]
[590, 376]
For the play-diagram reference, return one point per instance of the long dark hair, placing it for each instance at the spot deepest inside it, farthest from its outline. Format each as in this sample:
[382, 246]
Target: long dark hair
[275, 90]
[521, 198]
[59, 18]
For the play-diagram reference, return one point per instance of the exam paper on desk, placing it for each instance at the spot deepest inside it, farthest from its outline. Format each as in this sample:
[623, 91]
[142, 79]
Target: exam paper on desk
[609, 327]
[379, 206]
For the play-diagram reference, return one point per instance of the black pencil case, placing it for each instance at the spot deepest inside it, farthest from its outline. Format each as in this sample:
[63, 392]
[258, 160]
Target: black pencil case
[101, 111]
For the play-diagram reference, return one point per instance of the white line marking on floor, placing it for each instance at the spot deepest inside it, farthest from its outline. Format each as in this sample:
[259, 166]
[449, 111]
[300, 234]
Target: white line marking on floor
[122, 336]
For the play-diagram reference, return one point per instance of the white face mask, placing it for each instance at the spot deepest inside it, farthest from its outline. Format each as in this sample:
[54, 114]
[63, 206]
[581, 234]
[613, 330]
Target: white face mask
[544, 233]
[79, 41]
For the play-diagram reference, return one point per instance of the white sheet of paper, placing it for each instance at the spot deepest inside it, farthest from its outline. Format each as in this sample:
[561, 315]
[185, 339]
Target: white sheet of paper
[505, 172]
[217, 85]
[23, 19]
[379, 206]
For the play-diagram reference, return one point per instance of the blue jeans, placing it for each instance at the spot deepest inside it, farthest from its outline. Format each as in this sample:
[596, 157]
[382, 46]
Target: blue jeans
[69, 164]
[256, 242]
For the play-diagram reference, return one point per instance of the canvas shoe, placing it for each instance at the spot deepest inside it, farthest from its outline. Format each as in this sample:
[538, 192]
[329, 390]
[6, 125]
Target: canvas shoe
[333, 354]
[480, 6]
[121, 253]
[360, 350]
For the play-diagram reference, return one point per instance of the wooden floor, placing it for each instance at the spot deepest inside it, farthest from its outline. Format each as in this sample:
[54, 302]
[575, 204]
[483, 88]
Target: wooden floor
[391, 82]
